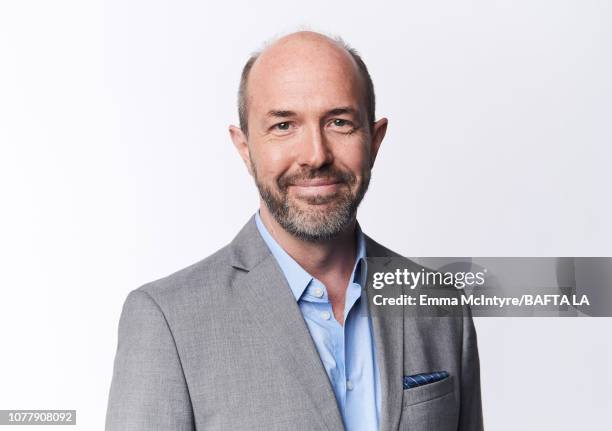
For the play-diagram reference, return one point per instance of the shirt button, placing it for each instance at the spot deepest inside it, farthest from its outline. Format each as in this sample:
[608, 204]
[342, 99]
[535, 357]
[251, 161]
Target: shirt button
[318, 292]
[326, 315]
[349, 385]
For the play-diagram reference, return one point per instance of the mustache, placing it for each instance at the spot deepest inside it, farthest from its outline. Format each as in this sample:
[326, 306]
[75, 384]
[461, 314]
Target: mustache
[325, 173]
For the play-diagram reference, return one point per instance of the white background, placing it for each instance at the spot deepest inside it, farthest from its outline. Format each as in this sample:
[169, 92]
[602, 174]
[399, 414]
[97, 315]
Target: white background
[116, 169]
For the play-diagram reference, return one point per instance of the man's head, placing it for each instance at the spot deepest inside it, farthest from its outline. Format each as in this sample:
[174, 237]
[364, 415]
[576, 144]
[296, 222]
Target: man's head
[307, 134]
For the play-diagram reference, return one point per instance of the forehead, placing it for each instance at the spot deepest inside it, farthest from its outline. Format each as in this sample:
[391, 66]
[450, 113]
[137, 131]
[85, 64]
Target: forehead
[304, 76]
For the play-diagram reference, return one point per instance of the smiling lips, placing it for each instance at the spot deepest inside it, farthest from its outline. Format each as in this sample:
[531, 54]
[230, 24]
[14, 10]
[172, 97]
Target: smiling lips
[316, 186]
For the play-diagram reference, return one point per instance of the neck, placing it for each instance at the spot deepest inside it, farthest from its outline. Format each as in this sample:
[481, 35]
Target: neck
[321, 259]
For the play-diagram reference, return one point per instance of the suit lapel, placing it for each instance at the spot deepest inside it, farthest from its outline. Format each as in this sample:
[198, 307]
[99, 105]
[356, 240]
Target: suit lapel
[388, 328]
[279, 318]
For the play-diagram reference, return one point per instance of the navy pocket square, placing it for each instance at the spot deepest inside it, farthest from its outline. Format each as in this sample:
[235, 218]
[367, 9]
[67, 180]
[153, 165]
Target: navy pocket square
[424, 379]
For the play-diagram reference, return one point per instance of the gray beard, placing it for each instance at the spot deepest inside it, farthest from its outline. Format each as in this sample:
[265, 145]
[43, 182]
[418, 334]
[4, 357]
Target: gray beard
[314, 224]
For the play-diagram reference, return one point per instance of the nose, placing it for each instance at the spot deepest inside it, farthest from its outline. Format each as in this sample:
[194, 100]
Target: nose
[314, 150]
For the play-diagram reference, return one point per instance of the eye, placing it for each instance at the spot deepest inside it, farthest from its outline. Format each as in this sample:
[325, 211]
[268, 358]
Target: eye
[339, 122]
[343, 126]
[285, 125]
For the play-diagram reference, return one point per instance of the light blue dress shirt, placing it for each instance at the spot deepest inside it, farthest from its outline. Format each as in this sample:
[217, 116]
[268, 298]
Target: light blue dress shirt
[347, 352]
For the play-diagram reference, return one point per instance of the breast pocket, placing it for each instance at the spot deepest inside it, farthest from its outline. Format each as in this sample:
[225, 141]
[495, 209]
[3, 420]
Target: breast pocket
[430, 407]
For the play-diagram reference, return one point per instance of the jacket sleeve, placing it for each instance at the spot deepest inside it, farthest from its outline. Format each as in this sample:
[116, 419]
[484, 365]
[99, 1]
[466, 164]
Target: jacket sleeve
[470, 415]
[148, 390]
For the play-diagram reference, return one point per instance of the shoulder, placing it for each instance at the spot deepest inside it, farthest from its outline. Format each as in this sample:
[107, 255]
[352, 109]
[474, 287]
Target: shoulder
[201, 285]
[186, 285]
[375, 249]
[379, 254]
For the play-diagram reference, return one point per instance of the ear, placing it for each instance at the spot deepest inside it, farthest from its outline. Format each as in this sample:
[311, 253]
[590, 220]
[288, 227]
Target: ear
[241, 143]
[378, 134]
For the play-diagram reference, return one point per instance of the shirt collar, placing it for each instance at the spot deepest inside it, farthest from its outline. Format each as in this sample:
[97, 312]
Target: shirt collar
[297, 277]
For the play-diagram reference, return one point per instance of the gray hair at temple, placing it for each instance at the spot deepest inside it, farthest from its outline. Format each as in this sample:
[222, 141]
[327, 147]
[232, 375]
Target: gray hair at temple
[370, 98]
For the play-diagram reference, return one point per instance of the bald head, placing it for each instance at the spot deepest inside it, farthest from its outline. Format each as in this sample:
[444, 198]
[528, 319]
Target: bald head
[303, 58]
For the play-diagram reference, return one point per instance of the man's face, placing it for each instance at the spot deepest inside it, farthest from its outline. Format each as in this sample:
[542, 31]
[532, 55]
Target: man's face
[310, 148]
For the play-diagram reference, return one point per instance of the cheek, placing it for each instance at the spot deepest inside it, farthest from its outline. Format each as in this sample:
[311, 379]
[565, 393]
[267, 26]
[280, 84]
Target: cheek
[270, 160]
[354, 158]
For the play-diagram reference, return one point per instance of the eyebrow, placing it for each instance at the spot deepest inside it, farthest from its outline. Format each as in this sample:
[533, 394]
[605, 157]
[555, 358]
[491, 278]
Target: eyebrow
[342, 110]
[279, 113]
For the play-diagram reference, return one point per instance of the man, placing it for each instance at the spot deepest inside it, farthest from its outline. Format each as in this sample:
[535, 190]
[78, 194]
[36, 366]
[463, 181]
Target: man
[271, 332]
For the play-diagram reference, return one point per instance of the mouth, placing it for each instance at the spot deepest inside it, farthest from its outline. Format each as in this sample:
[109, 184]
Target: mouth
[316, 186]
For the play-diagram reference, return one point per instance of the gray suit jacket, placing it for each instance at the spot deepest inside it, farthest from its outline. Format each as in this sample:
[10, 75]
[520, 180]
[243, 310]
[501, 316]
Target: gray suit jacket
[222, 345]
